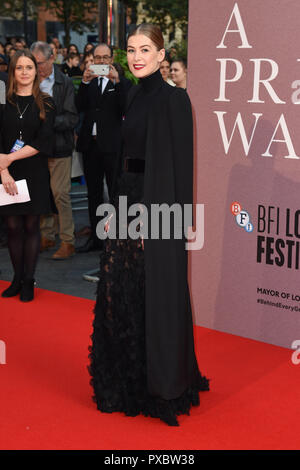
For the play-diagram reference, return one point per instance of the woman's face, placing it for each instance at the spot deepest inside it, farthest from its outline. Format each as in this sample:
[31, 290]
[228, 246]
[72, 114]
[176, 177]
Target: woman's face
[143, 56]
[165, 69]
[25, 72]
[54, 50]
[178, 72]
[7, 48]
[75, 62]
[89, 47]
[89, 60]
[73, 49]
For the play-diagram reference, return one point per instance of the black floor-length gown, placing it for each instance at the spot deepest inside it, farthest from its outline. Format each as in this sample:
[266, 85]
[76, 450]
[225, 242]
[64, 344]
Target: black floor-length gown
[118, 362]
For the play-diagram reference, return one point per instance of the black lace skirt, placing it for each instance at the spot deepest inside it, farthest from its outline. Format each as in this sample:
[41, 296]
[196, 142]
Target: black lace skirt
[118, 352]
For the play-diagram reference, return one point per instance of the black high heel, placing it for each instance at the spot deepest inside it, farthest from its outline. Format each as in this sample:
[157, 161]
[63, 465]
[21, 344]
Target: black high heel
[13, 289]
[27, 290]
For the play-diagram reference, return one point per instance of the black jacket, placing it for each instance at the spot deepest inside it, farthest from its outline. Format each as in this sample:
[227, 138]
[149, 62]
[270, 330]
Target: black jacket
[70, 71]
[66, 114]
[4, 77]
[106, 110]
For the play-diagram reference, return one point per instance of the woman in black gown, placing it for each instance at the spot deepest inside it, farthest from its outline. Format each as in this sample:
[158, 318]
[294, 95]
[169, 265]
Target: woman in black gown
[142, 354]
[27, 117]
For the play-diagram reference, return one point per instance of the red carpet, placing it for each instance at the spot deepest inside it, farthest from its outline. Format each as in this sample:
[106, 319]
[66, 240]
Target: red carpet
[45, 396]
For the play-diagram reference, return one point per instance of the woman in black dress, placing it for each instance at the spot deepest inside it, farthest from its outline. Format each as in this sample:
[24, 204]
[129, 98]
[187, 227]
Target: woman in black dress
[142, 354]
[27, 119]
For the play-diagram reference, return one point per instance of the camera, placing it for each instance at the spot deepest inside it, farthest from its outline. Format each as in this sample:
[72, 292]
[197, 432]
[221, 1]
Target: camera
[100, 70]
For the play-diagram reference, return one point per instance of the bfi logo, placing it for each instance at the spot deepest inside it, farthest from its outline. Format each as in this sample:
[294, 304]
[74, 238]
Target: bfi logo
[2, 352]
[241, 216]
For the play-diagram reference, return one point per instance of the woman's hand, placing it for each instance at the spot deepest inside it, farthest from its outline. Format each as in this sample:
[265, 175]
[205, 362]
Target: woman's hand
[8, 183]
[106, 227]
[5, 161]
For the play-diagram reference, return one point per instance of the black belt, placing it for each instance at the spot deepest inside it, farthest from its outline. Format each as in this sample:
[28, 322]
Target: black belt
[134, 165]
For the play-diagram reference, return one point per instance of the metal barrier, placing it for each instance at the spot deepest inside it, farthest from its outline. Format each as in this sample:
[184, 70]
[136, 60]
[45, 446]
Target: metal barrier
[76, 199]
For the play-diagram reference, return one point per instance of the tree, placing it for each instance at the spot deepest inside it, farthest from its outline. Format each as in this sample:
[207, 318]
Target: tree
[120, 57]
[74, 14]
[164, 12]
[14, 8]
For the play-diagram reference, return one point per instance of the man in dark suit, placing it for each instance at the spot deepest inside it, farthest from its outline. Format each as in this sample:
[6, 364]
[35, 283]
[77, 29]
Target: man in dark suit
[3, 77]
[102, 99]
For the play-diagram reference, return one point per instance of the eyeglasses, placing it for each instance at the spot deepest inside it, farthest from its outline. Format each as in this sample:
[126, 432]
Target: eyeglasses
[43, 62]
[102, 57]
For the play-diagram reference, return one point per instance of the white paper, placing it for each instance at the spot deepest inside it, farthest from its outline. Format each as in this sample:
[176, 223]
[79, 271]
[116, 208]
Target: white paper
[77, 164]
[2, 92]
[22, 196]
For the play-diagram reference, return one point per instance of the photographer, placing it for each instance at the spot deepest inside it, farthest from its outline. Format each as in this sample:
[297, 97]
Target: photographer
[101, 96]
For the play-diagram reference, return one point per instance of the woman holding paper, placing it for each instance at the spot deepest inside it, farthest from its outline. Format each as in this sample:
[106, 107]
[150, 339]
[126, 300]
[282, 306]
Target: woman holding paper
[26, 137]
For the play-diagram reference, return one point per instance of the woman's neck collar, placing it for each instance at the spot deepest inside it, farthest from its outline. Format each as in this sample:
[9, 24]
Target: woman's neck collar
[182, 85]
[152, 81]
[24, 91]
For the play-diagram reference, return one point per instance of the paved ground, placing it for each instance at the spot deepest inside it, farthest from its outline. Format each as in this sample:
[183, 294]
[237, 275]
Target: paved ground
[63, 276]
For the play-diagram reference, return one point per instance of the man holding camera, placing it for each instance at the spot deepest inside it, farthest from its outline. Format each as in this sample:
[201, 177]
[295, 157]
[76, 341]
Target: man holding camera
[101, 96]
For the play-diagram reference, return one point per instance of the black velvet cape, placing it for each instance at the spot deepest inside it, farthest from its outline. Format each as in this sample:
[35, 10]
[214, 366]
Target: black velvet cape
[171, 363]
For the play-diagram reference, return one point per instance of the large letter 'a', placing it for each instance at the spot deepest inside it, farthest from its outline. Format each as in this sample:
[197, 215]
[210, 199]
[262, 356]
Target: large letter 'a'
[241, 30]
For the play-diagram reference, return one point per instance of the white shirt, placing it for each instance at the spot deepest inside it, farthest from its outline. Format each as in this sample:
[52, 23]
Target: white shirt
[104, 83]
[47, 84]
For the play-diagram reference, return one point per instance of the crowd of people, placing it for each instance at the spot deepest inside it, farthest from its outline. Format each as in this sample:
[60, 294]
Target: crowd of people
[140, 138]
[73, 62]
[55, 63]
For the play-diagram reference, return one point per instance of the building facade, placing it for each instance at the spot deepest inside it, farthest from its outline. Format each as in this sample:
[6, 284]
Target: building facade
[111, 25]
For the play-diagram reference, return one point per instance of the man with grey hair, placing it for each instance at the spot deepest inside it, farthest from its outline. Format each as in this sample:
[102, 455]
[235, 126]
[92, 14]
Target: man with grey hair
[60, 87]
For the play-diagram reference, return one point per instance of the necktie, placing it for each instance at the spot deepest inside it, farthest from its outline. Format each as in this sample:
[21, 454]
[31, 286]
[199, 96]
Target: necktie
[100, 84]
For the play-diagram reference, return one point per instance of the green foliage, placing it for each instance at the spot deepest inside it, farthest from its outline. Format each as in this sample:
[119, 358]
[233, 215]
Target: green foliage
[74, 14]
[162, 12]
[181, 49]
[120, 56]
[14, 8]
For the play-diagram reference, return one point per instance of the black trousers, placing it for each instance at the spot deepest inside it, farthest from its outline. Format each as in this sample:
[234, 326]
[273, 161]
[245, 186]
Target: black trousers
[96, 164]
[2, 229]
